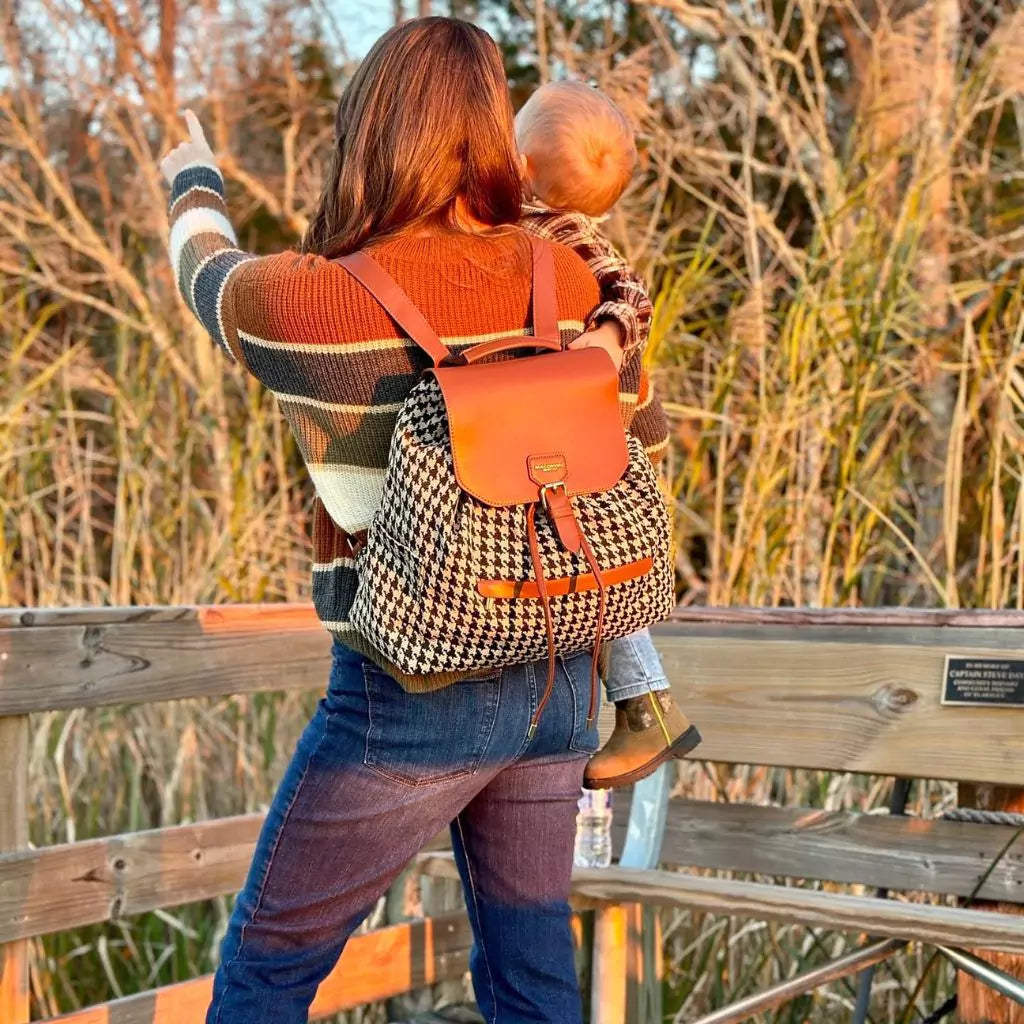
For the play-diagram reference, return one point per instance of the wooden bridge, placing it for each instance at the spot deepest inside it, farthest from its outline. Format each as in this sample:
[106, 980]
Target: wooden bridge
[849, 691]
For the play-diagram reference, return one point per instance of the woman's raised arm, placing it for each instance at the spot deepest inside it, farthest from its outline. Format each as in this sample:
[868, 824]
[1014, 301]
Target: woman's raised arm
[203, 245]
[213, 274]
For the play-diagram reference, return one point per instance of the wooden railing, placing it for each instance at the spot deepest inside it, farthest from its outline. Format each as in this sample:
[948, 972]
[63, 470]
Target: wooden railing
[91, 657]
[844, 691]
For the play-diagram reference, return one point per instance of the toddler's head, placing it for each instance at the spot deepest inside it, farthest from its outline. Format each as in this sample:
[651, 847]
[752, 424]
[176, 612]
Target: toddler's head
[578, 146]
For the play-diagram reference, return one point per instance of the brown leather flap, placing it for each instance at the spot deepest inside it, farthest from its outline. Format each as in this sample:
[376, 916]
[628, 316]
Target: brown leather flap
[544, 419]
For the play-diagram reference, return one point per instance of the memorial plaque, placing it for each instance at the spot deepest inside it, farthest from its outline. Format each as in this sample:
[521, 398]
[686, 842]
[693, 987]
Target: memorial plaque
[984, 682]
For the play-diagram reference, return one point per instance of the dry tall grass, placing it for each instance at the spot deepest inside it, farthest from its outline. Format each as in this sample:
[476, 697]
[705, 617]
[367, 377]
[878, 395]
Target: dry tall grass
[831, 218]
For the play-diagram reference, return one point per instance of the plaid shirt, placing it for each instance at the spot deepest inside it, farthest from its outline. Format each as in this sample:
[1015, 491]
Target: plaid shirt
[625, 300]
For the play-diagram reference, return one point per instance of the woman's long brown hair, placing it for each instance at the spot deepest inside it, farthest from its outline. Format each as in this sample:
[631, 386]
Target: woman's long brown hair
[426, 119]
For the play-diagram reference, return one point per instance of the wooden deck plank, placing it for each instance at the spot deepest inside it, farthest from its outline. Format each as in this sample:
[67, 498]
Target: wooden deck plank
[898, 618]
[877, 850]
[815, 908]
[845, 706]
[98, 880]
[812, 907]
[76, 884]
[886, 617]
[83, 883]
[860, 697]
[209, 652]
[1000, 642]
[50, 618]
[374, 966]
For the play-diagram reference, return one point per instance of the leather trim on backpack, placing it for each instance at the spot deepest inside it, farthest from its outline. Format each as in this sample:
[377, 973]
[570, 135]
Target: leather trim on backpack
[527, 589]
[565, 402]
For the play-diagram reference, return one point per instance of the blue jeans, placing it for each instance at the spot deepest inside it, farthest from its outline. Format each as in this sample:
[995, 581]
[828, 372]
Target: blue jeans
[377, 774]
[634, 667]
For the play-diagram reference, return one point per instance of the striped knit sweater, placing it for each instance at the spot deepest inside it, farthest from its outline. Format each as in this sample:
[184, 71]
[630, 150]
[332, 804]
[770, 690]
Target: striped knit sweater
[338, 365]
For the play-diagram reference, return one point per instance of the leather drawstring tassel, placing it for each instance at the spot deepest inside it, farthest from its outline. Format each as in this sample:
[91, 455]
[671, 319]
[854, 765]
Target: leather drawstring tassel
[545, 601]
[602, 591]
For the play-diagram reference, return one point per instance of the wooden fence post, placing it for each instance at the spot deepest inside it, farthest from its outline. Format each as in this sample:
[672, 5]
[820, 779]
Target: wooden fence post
[619, 963]
[622, 970]
[14, 836]
[437, 897]
[978, 1004]
[645, 969]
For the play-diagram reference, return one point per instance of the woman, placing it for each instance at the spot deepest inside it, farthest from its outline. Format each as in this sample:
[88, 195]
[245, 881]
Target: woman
[424, 173]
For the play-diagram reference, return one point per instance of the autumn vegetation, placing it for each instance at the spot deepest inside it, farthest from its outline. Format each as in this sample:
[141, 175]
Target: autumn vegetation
[830, 212]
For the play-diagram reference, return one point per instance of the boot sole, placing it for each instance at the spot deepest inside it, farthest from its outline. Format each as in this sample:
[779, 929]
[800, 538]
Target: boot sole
[682, 746]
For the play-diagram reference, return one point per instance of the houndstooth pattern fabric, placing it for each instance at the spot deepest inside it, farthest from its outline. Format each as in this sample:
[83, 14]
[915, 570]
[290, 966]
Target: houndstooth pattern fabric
[430, 543]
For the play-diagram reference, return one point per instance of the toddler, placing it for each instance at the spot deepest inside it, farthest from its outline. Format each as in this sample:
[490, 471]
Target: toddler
[578, 156]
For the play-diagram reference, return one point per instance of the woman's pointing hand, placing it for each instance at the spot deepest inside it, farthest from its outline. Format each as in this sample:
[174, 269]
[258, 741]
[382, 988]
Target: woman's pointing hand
[195, 150]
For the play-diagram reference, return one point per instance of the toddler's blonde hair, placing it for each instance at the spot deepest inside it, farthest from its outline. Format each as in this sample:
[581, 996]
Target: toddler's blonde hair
[579, 147]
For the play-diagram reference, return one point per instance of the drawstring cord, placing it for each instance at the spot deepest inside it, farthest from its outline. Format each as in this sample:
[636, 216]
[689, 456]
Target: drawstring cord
[602, 591]
[545, 601]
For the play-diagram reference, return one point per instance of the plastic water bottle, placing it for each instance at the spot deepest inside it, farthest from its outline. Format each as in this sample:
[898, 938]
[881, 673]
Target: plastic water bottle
[594, 829]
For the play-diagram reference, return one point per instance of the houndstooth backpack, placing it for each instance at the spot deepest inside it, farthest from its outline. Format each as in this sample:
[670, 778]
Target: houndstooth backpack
[518, 519]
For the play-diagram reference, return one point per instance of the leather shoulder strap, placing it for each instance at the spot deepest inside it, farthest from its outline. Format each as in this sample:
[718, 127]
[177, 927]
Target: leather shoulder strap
[379, 283]
[544, 299]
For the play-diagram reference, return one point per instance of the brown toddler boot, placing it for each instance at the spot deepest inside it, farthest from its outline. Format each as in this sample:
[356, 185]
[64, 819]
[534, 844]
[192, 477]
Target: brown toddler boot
[649, 730]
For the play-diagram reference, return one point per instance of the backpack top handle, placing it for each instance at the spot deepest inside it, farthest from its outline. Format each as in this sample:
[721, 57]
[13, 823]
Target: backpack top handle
[543, 300]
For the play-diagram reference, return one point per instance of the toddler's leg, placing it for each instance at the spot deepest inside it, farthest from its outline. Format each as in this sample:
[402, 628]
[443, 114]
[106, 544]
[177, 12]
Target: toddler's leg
[649, 727]
[633, 667]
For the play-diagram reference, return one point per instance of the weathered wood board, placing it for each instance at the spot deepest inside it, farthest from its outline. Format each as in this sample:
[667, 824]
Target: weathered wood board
[14, 956]
[862, 696]
[811, 907]
[876, 850]
[858, 699]
[154, 655]
[374, 966]
[75, 884]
